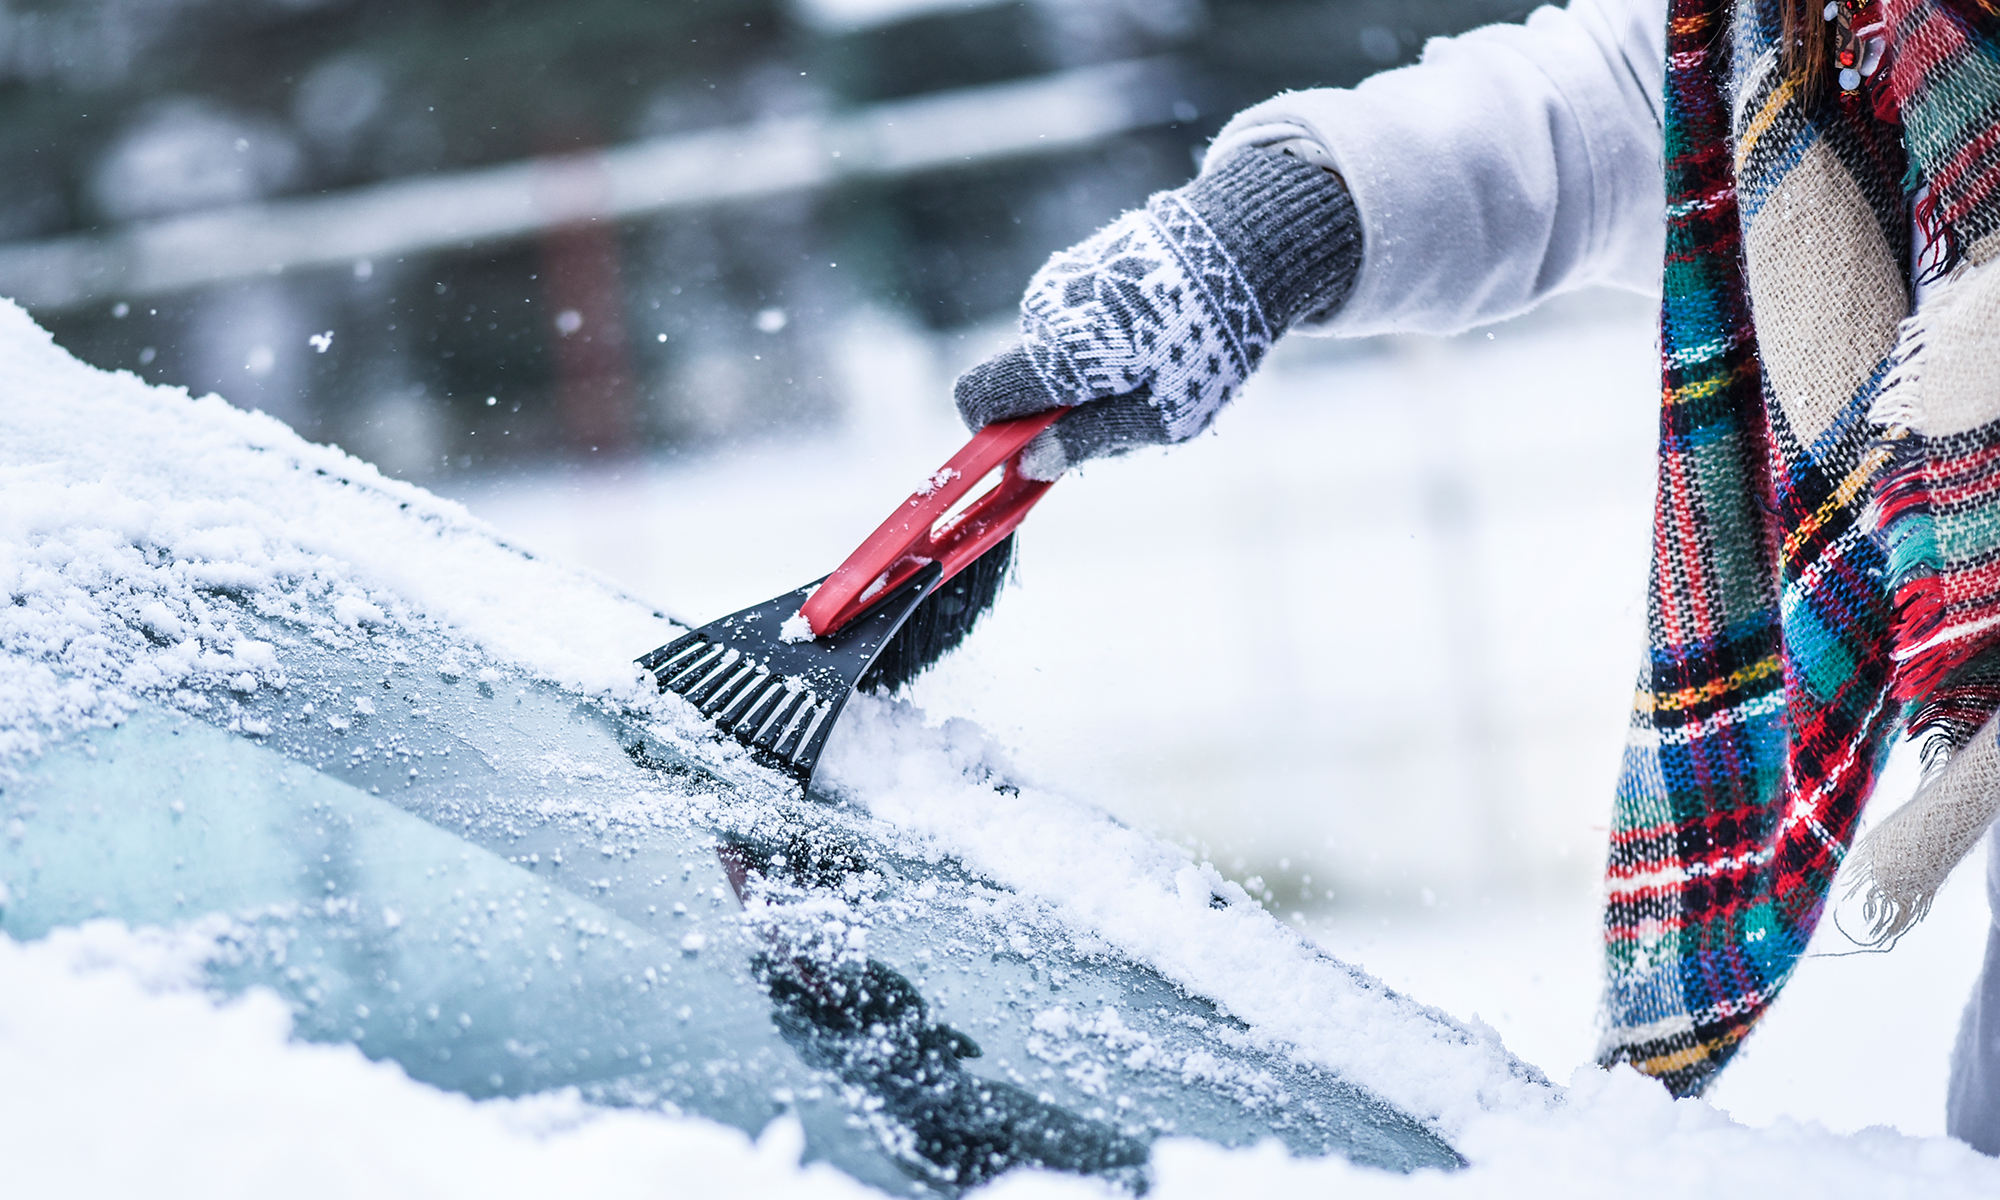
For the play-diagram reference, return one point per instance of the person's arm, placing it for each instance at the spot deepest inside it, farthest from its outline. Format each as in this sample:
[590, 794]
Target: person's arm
[1511, 163]
[1148, 327]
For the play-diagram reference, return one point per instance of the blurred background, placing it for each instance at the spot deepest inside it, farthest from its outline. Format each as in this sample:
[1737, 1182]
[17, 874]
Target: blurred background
[636, 227]
[675, 291]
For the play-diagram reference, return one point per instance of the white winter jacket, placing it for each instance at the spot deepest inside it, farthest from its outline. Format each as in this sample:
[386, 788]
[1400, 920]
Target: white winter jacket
[1509, 164]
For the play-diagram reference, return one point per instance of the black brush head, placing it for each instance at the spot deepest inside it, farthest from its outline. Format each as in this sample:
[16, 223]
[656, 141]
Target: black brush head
[941, 621]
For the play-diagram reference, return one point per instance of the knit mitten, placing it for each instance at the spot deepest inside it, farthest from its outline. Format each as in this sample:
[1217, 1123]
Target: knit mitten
[1149, 326]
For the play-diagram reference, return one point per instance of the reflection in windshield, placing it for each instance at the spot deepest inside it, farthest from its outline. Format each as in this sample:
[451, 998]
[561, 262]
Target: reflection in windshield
[867, 1024]
[505, 889]
[382, 929]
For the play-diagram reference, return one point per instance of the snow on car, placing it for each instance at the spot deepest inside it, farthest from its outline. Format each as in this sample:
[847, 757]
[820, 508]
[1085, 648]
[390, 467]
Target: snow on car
[303, 768]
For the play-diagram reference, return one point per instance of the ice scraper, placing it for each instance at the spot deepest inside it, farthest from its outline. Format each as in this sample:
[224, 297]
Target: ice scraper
[777, 674]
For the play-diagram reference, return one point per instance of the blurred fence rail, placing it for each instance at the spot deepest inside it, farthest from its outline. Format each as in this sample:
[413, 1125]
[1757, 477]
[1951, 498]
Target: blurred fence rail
[960, 127]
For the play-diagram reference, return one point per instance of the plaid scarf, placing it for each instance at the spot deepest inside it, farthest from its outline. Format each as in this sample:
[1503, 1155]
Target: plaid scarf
[1946, 571]
[1796, 624]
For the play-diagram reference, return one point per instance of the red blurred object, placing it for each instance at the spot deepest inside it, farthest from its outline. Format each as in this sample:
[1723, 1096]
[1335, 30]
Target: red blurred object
[595, 398]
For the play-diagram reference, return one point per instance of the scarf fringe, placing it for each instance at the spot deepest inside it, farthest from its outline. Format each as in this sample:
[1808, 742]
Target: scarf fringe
[1900, 403]
[1897, 868]
[1933, 648]
[1947, 673]
[1901, 516]
[1947, 248]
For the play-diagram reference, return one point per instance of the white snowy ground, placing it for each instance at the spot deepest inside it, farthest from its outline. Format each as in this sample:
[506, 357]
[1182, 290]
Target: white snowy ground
[1325, 684]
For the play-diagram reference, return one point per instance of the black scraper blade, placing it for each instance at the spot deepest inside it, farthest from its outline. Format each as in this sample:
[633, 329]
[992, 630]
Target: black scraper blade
[781, 698]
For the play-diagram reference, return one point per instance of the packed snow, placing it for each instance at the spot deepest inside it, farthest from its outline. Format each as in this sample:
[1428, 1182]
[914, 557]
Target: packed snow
[122, 507]
[123, 1079]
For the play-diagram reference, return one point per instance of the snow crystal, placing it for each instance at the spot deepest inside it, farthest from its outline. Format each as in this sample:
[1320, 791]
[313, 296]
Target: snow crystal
[796, 629]
[356, 610]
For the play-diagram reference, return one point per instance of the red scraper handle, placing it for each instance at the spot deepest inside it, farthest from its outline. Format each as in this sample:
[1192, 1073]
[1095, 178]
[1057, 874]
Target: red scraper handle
[930, 527]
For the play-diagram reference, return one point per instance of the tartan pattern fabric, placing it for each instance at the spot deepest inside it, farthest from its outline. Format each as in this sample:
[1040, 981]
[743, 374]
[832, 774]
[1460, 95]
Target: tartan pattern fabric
[1937, 505]
[1944, 77]
[1939, 515]
[1762, 716]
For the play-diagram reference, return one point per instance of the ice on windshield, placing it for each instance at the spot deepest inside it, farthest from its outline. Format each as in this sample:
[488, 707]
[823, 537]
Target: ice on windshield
[506, 889]
[225, 701]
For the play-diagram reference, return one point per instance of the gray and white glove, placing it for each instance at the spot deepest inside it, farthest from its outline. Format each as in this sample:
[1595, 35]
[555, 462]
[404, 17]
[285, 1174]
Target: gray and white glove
[1150, 325]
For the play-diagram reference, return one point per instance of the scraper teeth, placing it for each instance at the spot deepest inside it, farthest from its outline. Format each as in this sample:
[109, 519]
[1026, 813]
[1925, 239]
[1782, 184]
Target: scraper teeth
[694, 673]
[714, 678]
[654, 660]
[690, 648]
[743, 700]
[682, 672]
[748, 722]
[724, 697]
[807, 730]
[798, 732]
[781, 722]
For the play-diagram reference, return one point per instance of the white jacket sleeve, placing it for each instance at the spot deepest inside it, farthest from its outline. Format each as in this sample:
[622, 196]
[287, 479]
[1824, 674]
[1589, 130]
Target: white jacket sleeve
[1509, 164]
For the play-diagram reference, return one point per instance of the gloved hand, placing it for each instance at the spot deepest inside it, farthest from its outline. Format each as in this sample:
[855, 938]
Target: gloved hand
[1150, 325]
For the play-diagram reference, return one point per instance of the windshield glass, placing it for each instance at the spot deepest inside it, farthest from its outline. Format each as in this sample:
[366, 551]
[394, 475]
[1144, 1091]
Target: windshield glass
[504, 888]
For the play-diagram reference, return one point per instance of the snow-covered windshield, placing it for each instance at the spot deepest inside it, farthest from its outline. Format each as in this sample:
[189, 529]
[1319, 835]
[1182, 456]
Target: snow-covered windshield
[505, 888]
[409, 779]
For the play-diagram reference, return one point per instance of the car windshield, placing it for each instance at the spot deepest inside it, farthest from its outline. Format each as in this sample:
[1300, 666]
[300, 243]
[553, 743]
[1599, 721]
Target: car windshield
[505, 888]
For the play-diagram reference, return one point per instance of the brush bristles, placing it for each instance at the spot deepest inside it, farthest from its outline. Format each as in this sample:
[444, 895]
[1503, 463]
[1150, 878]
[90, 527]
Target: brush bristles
[941, 621]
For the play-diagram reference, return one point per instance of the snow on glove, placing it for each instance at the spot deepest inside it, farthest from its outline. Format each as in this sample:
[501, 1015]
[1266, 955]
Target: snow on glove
[1150, 325]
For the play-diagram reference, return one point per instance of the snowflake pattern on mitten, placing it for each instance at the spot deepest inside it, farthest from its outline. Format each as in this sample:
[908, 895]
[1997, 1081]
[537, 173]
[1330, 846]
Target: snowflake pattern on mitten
[1152, 301]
